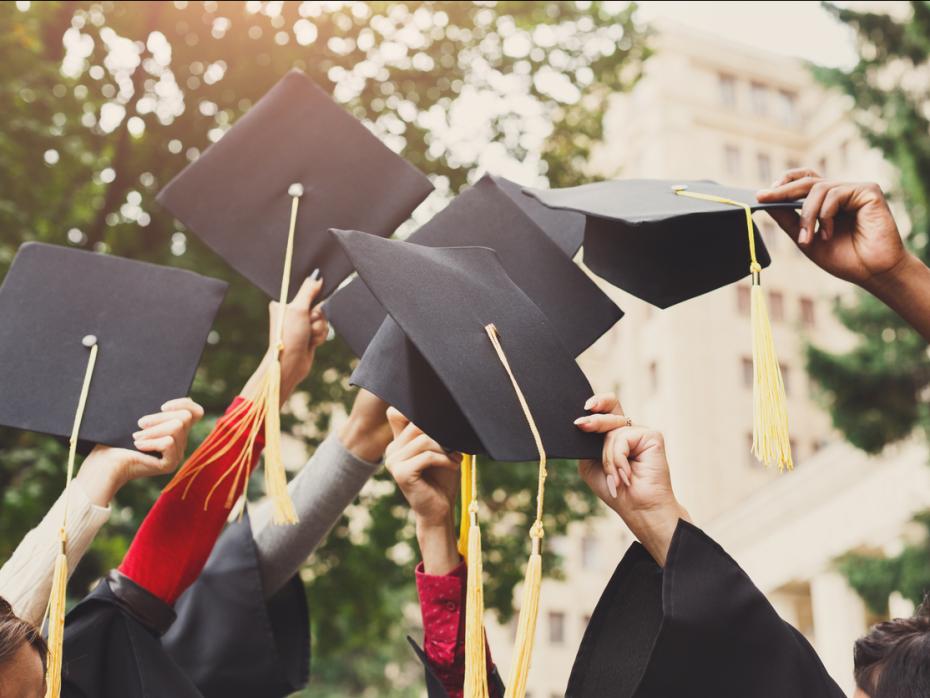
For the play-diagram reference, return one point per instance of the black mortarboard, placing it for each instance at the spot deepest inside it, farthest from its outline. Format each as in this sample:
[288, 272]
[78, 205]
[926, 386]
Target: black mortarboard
[494, 213]
[666, 241]
[447, 377]
[150, 323]
[236, 198]
[646, 238]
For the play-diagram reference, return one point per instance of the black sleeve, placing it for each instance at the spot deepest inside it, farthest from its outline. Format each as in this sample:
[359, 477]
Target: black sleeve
[228, 638]
[698, 628]
[434, 687]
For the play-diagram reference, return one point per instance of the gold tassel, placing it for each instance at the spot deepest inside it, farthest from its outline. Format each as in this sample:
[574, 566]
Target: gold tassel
[55, 612]
[466, 498]
[56, 621]
[529, 608]
[476, 674]
[264, 408]
[771, 440]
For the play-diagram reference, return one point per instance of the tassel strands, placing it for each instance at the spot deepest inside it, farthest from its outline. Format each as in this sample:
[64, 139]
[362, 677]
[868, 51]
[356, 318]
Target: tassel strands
[466, 494]
[56, 603]
[529, 608]
[771, 442]
[263, 408]
[476, 674]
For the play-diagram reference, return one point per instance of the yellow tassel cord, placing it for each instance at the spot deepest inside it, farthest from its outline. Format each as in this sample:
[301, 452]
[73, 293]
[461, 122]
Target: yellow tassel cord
[55, 612]
[476, 674]
[771, 442]
[248, 418]
[466, 496]
[529, 608]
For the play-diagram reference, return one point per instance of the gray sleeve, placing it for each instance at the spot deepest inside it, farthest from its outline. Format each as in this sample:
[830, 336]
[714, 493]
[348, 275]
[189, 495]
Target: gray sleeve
[321, 491]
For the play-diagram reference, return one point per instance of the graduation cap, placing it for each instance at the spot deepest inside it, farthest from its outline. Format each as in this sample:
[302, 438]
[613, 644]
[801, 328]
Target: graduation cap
[526, 236]
[468, 356]
[88, 344]
[666, 241]
[264, 196]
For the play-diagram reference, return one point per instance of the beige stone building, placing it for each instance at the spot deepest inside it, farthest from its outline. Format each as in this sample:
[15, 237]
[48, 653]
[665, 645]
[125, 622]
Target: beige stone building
[707, 108]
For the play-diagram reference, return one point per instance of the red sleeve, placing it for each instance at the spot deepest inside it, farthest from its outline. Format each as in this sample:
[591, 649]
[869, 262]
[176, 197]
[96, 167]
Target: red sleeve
[175, 539]
[442, 604]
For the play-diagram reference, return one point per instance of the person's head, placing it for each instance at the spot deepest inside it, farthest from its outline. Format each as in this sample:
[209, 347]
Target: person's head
[22, 657]
[893, 659]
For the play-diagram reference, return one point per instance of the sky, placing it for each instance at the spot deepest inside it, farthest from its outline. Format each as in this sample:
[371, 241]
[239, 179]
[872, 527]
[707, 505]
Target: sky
[801, 29]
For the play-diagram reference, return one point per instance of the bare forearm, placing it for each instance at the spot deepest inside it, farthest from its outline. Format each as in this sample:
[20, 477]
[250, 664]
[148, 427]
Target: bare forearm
[438, 547]
[656, 528]
[906, 290]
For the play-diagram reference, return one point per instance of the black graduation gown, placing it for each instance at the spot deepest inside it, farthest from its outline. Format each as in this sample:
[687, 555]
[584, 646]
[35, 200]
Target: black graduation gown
[226, 640]
[695, 629]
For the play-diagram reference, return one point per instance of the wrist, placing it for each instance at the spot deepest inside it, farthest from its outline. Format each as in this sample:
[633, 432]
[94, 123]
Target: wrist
[101, 480]
[655, 527]
[365, 438]
[438, 546]
[889, 283]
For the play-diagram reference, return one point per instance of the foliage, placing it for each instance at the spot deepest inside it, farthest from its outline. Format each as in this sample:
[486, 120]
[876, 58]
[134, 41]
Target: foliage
[877, 391]
[105, 101]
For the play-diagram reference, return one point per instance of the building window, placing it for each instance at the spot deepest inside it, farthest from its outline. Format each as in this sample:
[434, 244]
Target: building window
[588, 552]
[727, 90]
[794, 451]
[807, 313]
[787, 107]
[585, 622]
[751, 459]
[654, 376]
[764, 167]
[792, 164]
[731, 160]
[786, 378]
[556, 627]
[743, 300]
[748, 372]
[777, 305]
[822, 167]
[760, 98]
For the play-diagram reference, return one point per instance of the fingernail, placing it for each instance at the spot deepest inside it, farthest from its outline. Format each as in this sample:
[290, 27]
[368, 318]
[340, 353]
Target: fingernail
[315, 275]
[136, 434]
[581, 421]
[142, 422]
[802, 236]
[624, 477]
[612, 485]
[592, 401]
[162, 408]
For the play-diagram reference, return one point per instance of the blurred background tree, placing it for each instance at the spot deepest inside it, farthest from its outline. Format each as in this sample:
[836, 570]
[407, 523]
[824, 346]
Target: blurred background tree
[105, 101]
[877, 392]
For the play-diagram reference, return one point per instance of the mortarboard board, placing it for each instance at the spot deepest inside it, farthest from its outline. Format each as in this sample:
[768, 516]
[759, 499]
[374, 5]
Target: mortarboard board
[489, 215]
[236, 198]
[483, 368]
[264, 196]
[656, 245]
[88, 344]
[458, 292]
[666, 241]
[150, 322]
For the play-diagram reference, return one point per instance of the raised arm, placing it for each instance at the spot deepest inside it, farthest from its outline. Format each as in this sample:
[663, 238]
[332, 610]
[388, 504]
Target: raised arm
[847, 229]
[26, 578]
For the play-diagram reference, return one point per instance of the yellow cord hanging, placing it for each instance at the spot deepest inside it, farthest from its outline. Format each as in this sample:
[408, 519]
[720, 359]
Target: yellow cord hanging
[261, 408]
[465, 490]
[529, 608]
[476, 674]
[55, 612]
[771, 441]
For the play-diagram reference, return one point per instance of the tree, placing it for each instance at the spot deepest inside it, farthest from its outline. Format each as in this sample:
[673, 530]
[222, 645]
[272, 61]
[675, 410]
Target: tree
[877, 392]
[105, 101]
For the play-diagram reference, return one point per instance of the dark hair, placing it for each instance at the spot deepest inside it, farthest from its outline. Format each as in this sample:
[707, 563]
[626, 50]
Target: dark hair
[14, 632]
[893, 659]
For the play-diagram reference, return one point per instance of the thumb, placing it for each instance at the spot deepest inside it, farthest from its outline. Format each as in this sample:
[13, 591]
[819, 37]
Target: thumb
[397, 421]
[787, 220]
